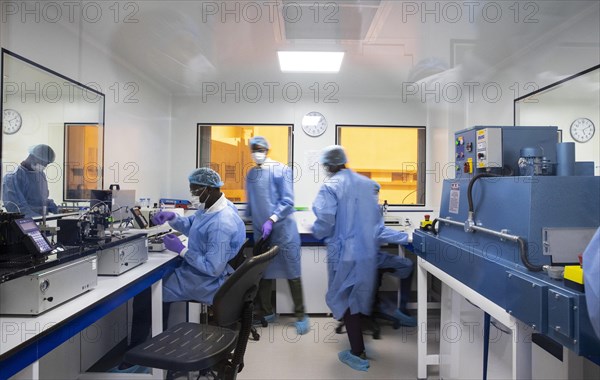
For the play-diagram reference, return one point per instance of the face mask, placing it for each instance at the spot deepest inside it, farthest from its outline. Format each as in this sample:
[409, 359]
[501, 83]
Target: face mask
[259, 157]
[196, 203]
[37, 167]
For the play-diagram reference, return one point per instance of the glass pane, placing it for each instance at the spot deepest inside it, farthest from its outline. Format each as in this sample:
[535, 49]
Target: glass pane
[565, 104]
[225, 148]
[83, 160]
[391, 156]
[39, 103]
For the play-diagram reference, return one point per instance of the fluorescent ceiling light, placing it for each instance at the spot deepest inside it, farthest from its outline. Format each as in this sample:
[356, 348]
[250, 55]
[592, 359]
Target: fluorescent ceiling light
[310, 61]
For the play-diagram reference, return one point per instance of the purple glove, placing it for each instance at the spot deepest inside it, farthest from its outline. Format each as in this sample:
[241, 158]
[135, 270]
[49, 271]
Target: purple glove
[172, 243]
[267, 227]
[163, 216]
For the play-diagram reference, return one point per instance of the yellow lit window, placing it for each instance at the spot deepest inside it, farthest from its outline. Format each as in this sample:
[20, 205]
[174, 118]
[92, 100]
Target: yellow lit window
[226, 149]
[83, 160]
[394, 157]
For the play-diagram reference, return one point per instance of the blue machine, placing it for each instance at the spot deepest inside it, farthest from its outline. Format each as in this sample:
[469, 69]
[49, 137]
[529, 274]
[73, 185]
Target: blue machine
[498, 241]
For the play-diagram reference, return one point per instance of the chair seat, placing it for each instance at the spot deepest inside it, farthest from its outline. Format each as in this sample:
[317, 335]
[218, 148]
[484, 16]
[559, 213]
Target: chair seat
[186, 347]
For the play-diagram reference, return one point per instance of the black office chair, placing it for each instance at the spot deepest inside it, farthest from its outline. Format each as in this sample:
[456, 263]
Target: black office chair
[212, 349]
[235, 263]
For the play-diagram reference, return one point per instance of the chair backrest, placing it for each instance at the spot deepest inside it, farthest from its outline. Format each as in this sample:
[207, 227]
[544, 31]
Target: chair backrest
[240, 287]
[240, 257]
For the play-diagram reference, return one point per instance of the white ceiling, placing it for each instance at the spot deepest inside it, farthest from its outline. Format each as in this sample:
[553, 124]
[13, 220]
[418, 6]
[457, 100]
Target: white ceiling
[183, 45]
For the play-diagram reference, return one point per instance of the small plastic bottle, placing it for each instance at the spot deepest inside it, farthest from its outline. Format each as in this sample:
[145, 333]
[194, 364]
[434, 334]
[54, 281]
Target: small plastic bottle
[384, 208]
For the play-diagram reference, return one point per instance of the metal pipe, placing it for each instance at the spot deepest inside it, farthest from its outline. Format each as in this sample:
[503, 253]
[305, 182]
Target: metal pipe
[501, 235]
[470, 227]
[450, 221]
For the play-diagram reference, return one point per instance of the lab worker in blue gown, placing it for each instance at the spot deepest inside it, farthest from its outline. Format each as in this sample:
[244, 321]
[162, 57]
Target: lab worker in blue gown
[399, 267]
[591, 280]
[26, 189]
[348, 218]
[215, 234]
[270, 195]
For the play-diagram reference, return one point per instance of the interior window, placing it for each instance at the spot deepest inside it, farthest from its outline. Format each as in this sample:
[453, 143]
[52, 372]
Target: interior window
[83, 158]
[392, 156]
[225, 148]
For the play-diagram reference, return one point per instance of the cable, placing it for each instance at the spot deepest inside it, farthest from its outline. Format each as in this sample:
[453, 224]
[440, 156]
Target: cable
[525, 258]
[470, 188]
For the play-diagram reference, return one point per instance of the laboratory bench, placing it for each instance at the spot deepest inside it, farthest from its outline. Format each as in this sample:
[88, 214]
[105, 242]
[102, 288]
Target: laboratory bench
[26, 339]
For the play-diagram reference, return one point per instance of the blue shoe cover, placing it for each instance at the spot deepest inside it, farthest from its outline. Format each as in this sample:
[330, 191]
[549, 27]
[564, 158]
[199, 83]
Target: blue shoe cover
[271, 318]
[303, 325]
[405, 319]
[353, 361]
[133, 369]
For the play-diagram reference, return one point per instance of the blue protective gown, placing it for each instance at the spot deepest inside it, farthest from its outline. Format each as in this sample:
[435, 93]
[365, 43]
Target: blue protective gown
[402, 266]
[26, 191]
[348, 219]
[213, 240]
[269, 190]
[591, 280]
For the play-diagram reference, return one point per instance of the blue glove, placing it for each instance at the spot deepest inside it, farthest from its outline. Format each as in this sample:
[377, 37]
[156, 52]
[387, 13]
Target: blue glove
[267, 227]
[163, 216]
[172, 243]
[52, 207]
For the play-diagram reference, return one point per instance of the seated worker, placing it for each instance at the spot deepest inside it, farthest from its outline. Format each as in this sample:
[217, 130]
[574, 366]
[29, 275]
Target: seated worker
[26, 189]
[215, 235]
[400, 267]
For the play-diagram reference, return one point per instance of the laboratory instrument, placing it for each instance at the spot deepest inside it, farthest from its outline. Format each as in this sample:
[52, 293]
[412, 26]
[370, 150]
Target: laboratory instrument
[497, 229]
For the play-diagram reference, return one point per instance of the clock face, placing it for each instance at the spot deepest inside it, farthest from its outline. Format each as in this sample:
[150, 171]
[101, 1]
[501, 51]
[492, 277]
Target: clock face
[582, 130]
[314, 124]
[11, 121]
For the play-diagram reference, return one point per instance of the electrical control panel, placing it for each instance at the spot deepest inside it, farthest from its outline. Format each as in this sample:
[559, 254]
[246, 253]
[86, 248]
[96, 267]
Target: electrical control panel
[489, 148]
[496, 149]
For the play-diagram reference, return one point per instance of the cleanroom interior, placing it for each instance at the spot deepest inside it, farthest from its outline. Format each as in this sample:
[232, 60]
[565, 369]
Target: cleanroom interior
[140, 93]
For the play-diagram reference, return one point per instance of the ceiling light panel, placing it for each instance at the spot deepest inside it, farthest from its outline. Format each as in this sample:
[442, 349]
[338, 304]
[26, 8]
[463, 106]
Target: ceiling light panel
[310, 61]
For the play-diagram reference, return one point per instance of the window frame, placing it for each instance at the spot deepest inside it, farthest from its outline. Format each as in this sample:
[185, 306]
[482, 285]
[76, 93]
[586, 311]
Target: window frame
[421, 154]
[200, 135]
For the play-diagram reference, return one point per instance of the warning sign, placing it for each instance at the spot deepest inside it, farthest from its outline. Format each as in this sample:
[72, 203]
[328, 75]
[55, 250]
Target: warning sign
[454, 198]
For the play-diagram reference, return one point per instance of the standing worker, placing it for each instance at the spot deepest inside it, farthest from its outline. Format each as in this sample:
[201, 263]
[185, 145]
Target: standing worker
[26, 189]
[270, 206]
[348, 219]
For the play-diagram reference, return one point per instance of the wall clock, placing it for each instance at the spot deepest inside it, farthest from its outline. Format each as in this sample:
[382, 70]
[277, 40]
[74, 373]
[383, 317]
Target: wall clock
[11, 121]
[582, 129]
[314, 124]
